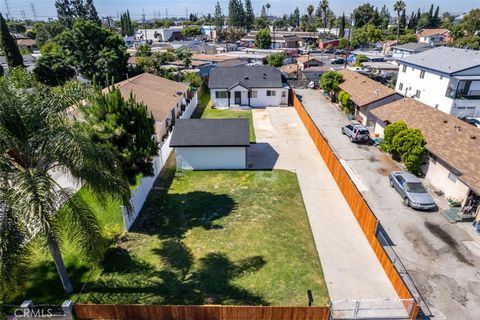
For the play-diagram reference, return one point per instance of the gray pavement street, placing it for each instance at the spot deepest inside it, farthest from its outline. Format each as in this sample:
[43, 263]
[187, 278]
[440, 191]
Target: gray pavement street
[350, 267]
[442, 258]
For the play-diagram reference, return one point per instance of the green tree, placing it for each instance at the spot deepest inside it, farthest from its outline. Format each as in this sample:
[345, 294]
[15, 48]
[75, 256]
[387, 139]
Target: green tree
[218, 17]
[436, 18]
[249, 15]
[295, 18]
[343, 43]
[193, 78]
[471, 22]
[45, 31]
[363, 15]
[360, 59]
[310, 10]
[366, 35]
[384, 17]
[263, 39]
[389, 134]
[124, 127]
[53, 69]
[323, 8]
[409, 145]
[126, 28]
[407, 38]
[37, 137]
[275, 59]
[69, 10]
[236, 14]
[96, 52]
[65, 14]
[329, 82]
[8, 45]
[191, 31]
[399, 7]
[143, 50]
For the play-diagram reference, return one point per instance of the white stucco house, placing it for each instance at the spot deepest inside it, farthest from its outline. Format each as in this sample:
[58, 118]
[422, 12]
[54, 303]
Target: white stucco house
[453, 147]
[250, 86]
[408, 49]
[211, 144]
[447, 79]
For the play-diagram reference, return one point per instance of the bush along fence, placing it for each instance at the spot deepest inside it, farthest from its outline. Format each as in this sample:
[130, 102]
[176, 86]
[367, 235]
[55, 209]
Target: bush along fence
[139, 195]
[364, 215]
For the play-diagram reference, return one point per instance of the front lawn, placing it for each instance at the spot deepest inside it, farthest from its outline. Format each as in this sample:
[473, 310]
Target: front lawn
[205, 111]
[215, 237]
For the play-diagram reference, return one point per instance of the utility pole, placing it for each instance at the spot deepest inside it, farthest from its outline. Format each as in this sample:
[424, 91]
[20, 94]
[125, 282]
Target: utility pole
[33, 10]
[186, 12]
[144, 26]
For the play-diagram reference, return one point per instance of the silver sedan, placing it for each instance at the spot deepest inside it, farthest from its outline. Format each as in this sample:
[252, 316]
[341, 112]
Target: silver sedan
[412, 190]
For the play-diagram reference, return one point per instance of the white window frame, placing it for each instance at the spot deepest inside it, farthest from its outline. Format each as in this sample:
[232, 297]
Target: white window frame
[271, 93]
[400, 86]
[404, 69]
[219, 94]
[254, 94]
[452, 176]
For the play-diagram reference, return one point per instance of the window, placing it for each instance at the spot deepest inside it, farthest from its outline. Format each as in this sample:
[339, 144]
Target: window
[413, 69]
[400, 86]
[253, 94]
[271, 93]
[422, 74]
[452, 176]
[221, 94]
[441, 77]
[284, 94]
[417, 94]
[404, 69]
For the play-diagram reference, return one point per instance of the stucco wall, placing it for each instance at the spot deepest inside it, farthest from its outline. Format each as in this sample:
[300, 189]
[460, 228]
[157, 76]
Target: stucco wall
[211, 158]
[437, 175]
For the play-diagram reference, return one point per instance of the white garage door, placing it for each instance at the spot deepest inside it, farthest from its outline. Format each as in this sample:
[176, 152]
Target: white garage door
[211, 158]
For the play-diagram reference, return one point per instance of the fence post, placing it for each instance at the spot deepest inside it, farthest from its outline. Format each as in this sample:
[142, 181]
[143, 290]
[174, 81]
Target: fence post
[67, 307]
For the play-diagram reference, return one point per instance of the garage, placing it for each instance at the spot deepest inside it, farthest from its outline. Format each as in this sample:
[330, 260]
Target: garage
[211, 144]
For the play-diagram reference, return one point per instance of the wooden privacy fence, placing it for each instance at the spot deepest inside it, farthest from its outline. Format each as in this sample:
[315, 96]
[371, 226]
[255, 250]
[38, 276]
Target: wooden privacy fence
[204, 312]
[364, 215]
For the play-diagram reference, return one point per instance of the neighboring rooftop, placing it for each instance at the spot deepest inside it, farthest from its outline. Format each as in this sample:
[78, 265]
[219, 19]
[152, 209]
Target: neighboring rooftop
[362, 89]
[432, 32]
[158, 94]
[210, 57]
[247, 76]
[413, 47]
[450, 139]
[308, 57]
[211, 133]
[445, 59]
[289, 68]
[232, 62]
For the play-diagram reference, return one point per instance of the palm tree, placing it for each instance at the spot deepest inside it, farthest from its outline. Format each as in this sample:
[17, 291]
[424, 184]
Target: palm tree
[37, 136]
[310, 10]
[323, 9]
[399, 6]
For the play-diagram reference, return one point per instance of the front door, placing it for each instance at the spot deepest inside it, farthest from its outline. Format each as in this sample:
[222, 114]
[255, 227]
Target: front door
[238, 97]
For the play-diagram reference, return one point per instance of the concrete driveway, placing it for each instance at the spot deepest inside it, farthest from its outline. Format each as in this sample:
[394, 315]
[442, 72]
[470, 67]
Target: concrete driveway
[443, 259]
[350, 266]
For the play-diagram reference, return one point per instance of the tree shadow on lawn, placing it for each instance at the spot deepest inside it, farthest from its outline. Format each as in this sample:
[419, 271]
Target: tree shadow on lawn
[172, 215]
[127, 280]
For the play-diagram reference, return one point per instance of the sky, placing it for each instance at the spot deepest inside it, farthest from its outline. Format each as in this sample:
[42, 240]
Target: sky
[46, 8]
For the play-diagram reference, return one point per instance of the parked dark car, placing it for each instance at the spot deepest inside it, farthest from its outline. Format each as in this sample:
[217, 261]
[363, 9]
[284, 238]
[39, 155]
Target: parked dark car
[411, 190]
[337, 61]
[356, 132]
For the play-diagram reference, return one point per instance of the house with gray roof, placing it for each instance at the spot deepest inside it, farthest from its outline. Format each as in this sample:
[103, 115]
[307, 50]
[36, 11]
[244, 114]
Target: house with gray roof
[247, 86]
[447, 79]
[408, 49]
[211, 144]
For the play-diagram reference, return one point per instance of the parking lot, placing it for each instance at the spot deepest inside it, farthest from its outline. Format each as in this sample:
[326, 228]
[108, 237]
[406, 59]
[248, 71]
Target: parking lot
[442, 258]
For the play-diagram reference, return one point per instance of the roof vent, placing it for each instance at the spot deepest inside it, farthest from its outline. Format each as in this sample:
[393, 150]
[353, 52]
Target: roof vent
[445, 121]
[246, 78]
[473, 137]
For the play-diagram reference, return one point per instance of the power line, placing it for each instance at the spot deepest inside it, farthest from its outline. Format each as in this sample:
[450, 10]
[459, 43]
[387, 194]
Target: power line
[33, 10]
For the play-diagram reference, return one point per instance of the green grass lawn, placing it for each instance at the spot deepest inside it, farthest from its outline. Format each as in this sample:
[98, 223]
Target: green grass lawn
[215, 237]
[205, 111]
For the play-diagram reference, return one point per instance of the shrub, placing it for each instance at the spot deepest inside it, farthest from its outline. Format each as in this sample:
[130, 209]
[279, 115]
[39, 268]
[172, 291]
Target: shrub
[329, 81]
[389, 133]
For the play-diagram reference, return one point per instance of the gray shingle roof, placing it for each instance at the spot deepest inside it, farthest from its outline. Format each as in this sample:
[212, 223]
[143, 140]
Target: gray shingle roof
[251, 76]
[445, 59]
[414, 47]
[211, 133]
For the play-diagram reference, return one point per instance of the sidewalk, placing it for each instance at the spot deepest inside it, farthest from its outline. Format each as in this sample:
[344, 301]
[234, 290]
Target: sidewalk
[350, 266]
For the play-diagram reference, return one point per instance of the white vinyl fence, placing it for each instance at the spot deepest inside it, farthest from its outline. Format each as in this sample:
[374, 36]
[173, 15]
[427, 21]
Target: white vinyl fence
[139, 195]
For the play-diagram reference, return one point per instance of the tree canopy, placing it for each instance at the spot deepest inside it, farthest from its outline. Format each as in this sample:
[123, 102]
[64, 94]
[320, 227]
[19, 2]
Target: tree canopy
[69, 10]
[9, 46]
[263, 39]
[96, 52]
[124, 127]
